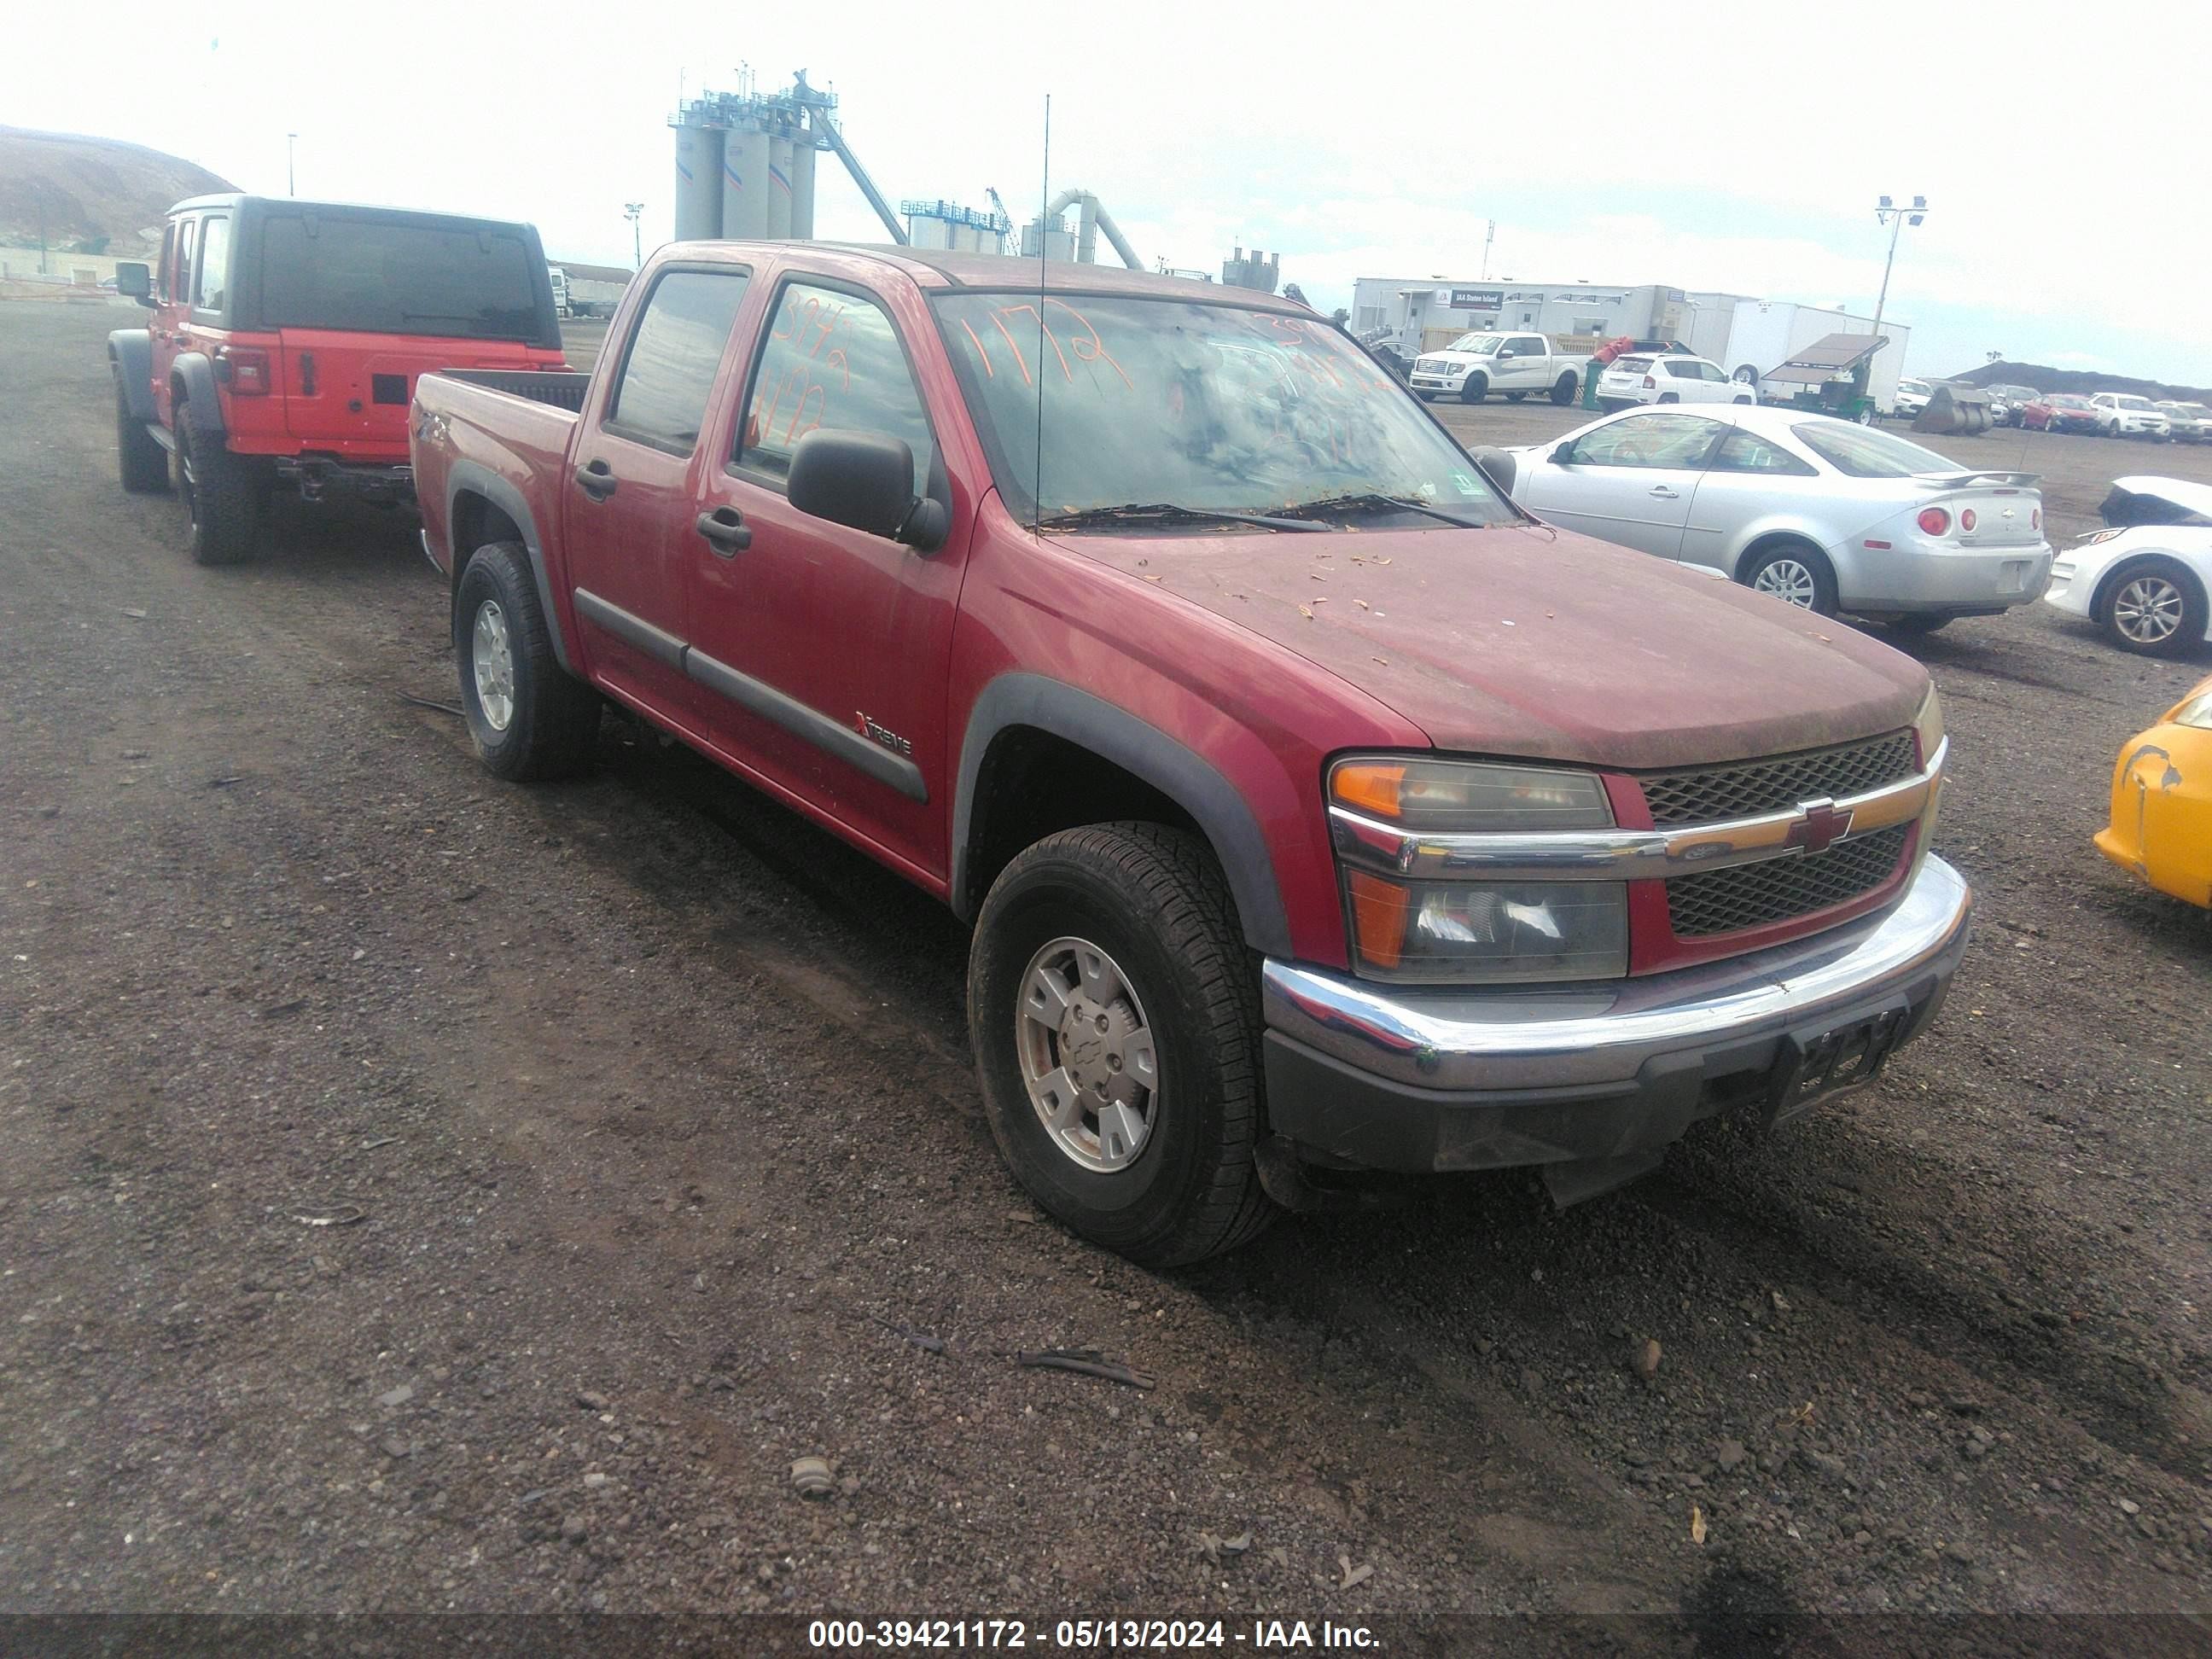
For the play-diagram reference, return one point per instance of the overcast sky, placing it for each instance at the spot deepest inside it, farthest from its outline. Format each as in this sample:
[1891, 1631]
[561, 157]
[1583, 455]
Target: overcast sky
[1720, 147]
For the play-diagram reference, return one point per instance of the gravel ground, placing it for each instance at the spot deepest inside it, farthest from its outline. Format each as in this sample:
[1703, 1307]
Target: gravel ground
[654, 1109]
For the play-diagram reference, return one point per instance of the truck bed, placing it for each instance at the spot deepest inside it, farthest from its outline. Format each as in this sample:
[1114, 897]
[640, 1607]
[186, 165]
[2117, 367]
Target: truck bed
[509, 428]
[562, 389]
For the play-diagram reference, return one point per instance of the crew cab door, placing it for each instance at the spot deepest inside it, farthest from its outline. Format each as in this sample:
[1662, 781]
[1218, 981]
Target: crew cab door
[824, 652]
[632, 473]
[1529, 365]
[1630, 482]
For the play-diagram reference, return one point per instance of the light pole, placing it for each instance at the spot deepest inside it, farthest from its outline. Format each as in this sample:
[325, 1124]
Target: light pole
[634, 211]
[291, 178]
[1888, 212]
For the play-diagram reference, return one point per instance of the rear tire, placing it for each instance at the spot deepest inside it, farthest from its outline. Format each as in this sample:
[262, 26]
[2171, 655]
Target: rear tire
[221, 493]
[1150, 903]
[2152, 607]
[1476, 389]
[528, 716]
[1563, 390]
[1797, 573]
[1670, 397]
[142, 464]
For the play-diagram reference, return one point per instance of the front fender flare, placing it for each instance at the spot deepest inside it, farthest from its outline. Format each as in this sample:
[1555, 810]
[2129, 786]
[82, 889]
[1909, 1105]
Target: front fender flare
[474, 478]
[1113, 734]
[131, 354]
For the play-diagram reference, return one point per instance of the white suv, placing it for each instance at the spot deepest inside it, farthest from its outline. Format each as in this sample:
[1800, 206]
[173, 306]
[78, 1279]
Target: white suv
[2123, 415]
[1669, 377]
[1912, 397]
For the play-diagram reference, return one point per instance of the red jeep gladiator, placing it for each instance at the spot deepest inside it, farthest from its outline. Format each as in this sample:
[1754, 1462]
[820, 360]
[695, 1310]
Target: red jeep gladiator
[1315, 810]
[286, 339]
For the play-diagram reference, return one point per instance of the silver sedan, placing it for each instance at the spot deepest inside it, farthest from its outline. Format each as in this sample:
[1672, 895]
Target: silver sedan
[1819, 512]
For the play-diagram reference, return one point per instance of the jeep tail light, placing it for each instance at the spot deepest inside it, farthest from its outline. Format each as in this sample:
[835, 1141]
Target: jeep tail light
[243, 370]
[1934, 521]
[1967, 519]
[2035, 519]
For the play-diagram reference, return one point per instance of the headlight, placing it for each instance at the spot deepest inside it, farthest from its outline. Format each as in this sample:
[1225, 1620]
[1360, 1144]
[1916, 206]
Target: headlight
[1462, 932]
[2196, 712]
[1928, 725]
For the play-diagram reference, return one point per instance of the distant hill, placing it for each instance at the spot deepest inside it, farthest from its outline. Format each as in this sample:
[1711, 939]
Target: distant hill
[2082, 382]
[90, 188]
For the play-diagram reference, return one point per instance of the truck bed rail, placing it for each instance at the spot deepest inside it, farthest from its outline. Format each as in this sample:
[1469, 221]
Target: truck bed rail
[562, 388]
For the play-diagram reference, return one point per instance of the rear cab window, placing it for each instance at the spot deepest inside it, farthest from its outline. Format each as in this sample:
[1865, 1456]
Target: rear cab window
[674, 353]
[831, 359]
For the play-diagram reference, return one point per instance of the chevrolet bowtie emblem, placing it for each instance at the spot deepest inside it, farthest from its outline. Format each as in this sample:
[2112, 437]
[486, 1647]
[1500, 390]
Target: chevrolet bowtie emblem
[1821, 824]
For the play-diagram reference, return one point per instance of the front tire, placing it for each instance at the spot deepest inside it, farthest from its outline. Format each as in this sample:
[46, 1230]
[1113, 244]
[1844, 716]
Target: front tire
[528, 716]
[1119, 943]
[220, 492]
[142, 464]
[2155, 608]
[1476, 389]
[1797, 573]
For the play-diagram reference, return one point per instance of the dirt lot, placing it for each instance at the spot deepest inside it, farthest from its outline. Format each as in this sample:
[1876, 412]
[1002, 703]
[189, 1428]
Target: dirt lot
[655, 1110]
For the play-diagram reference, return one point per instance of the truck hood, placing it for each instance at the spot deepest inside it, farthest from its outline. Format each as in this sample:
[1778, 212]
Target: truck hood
[1455, 359]
[1526, 641]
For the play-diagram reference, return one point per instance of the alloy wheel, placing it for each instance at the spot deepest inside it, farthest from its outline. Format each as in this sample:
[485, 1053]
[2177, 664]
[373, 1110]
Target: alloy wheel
[2148, 609]
[1087, 1054]
[493, 659]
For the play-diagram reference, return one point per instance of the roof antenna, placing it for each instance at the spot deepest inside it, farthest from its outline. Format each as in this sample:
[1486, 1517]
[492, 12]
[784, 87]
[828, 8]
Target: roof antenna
[1044, 203]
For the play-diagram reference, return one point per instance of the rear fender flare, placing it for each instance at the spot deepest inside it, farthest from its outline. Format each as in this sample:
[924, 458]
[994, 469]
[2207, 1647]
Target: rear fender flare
[192, 380]
[473, 478]
[1144, 751]
[131, 354]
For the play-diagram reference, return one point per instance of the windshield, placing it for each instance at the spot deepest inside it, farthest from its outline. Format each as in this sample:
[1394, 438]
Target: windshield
[1912, 386]
[1482, 345]
[2133, 403]
[382, 277]
[1862, 452]
[1210, 408]
[2063, 401]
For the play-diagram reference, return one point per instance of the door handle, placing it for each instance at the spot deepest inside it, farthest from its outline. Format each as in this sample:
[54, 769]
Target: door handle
[726, 530]
[1664, 493]
[596, 479]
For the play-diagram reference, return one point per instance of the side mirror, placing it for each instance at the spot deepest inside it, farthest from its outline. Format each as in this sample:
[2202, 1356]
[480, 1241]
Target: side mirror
[1563, 455]
[866, 481]
[135, 279]
[1507, 351]
[1498, 467]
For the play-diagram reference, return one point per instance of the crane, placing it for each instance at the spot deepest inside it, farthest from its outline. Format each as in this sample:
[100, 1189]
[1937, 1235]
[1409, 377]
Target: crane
[999, 203]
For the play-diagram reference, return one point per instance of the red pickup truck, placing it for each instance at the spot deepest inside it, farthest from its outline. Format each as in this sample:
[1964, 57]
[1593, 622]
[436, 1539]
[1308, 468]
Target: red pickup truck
[1316, 810]
[285, 341]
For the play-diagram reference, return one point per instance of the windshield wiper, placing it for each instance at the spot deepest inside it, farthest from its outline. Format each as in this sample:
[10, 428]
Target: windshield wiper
[1170, 512]
[1379, 502]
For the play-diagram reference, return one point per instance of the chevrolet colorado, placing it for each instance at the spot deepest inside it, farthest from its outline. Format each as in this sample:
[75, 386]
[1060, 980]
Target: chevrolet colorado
[1316, 810]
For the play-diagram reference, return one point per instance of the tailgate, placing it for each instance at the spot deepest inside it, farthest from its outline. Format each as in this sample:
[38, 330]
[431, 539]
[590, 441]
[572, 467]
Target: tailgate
[2006, 513]
[349, 392]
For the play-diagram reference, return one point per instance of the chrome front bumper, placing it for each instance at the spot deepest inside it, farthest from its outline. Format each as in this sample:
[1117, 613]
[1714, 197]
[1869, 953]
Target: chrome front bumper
[1399, 1078]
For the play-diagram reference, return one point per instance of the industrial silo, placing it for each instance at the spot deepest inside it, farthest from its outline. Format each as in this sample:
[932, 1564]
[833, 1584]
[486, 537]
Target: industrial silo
[779, 185]
[744, 183]
[802, 187]
[698, 184]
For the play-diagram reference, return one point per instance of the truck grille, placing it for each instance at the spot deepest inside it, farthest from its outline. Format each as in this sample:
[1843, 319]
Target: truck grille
[1712, 794]
[1759, 895]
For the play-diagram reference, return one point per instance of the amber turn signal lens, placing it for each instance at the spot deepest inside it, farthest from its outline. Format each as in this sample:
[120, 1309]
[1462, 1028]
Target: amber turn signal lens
[1378, 918]
[1370, 786]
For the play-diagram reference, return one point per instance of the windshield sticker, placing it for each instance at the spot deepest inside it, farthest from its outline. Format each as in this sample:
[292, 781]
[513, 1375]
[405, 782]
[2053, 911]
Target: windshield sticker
[1465, 483]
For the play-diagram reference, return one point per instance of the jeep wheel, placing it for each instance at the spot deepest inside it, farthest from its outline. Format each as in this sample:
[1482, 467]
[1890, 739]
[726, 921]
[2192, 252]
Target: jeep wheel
[1114, 1018]
[142, 465]
[528, 716]
[1476, 389]
[221, 493]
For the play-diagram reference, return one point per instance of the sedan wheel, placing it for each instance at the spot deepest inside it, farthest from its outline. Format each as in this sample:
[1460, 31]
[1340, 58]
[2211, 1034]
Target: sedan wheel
[2147, 612]
[1789, 581]
[1795, 574]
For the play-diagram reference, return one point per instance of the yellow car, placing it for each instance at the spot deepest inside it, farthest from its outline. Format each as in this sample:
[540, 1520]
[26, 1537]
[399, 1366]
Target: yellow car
[2161, 826]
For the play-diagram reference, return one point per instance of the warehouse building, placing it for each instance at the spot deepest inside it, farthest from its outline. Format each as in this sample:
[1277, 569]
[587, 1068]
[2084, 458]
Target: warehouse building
[1745, 335]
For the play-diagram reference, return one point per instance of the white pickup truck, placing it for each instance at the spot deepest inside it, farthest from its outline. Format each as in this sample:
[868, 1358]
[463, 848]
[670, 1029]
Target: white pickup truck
[1475, 365]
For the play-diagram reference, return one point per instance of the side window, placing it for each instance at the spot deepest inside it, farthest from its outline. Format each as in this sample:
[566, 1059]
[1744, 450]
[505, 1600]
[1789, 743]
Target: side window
[1746, 452]
[183, 287]
[1709, 372]
[1680, 370]
[831, 359]
[164, 272]
[1529, 345]
[675, 352]
[1654, 440]
[210, 291]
